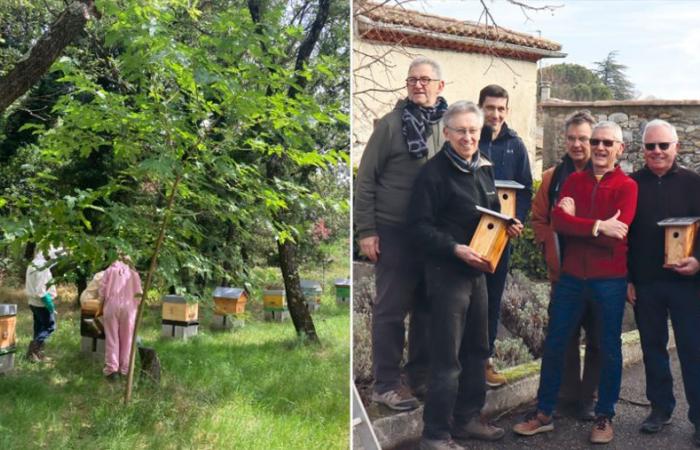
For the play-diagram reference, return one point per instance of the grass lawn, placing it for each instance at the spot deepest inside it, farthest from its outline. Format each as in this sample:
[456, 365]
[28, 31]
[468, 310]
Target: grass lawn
[256, 388]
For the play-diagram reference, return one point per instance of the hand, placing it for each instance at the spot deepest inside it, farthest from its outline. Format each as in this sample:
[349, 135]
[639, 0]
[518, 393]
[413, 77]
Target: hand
[631, 294]
[687, 266]
[613, 228]
[568, 205]
[369, 247]
[469, 256]
[515, 229]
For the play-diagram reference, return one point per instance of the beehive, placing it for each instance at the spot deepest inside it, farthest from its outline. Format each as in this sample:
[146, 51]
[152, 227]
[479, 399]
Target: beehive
[228, 300]
[679, 238]
[507, 190]
[180, 318]
[491, 237]
[312, 291]
[342, 291]
[8, 339]
[274, 299]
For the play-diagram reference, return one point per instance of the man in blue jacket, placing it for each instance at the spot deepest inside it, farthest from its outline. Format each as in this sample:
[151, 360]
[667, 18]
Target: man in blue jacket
[508, 154]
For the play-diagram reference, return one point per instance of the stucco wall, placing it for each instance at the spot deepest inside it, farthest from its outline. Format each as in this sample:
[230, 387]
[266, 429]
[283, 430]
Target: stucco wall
[464, 75]
[632, 116]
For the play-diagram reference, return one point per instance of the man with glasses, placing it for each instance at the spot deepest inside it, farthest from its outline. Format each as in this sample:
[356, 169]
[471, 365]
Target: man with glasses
[596, 207]
[400, 145]
[666, 190]
[507, 152]
[577, 392]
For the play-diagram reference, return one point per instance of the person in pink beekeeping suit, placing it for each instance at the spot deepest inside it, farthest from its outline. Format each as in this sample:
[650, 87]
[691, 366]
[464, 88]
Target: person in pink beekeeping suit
[121, 290]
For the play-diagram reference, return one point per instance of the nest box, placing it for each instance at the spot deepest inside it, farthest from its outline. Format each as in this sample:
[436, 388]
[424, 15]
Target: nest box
[491, 237]
[506, 195]
[680, 233]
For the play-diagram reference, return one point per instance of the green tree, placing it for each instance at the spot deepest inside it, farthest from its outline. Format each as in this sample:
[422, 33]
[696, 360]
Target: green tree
[612, 74]
[574, 82]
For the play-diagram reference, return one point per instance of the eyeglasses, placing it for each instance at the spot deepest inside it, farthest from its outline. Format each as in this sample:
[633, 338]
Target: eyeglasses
[582, 139]
[606, 142]
[464, 131]
[412, 81]
[650, 146]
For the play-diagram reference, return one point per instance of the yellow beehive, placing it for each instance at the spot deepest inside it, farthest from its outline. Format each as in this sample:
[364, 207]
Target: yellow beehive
[507, 190]
[175, 308]
[491, 237]
[679, 242]
[274, 299]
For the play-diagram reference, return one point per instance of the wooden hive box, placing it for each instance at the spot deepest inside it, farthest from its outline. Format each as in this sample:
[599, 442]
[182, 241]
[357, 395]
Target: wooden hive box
[312, 290]
[342, 291]
[490, 237]
[679, 238]
[274, 300]
[90, 307]
[506, 195]
[8, 338]
[228, 300]
[176, 308]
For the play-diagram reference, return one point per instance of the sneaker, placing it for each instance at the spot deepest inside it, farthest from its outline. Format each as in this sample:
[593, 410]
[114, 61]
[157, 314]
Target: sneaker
[534, 423]
[602, 431]
[397, 399]
[479, 428]
[655, 422]
[493, 378]
[438, 444]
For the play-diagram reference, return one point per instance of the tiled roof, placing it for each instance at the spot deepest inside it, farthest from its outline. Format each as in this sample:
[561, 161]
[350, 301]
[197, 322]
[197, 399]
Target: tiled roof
[395, 24]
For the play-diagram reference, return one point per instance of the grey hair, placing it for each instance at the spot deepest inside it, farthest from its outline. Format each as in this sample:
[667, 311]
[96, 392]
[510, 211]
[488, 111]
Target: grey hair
[660, 123]
[617, 131]
[420, 60]
[462, 107]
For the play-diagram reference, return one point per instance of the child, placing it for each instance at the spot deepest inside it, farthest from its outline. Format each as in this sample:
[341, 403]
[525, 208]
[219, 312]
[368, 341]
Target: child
[120, 287]
[41, 297]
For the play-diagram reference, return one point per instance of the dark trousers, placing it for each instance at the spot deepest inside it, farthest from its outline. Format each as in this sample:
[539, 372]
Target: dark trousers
[44, 323]
[575, 387]
[567, 308]
[495, 284]
[655, 301]
[400, 291]
[459, 349]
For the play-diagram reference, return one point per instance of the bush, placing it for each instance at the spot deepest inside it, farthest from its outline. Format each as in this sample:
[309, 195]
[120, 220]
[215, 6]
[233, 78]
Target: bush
[526, 253]
[510, 352]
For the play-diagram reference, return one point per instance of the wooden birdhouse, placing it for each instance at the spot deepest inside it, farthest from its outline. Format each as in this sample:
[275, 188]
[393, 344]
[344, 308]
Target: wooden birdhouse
[275, 305]
[8, 347]
[312, 291]
[506, 195]
[680, 233]
[180, 318]
[491, 237]
[342, 291]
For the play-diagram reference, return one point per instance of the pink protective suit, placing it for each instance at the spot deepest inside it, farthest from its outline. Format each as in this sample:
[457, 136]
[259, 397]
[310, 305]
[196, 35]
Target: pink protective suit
[119, 287]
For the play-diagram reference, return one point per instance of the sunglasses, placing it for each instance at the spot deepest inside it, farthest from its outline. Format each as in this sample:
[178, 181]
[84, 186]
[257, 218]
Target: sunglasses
[606, 142]
[650, 146]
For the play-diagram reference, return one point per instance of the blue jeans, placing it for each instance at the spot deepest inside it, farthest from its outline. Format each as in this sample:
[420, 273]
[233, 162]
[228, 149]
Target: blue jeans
[44, 323]
[655, 301]
[566, 311]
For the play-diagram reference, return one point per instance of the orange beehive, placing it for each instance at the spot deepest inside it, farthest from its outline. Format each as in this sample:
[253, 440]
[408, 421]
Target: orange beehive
[229, 300]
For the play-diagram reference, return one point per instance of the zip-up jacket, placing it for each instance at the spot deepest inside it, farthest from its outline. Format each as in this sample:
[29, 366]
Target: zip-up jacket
[386, 174]
[443, 208]
[510, 162]
[675, 194]
[585, 255]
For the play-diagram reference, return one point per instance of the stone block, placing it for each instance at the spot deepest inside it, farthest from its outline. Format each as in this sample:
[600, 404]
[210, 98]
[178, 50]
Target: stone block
[276, 315]
[226, 322]
[93, 347]
[179, 330]
[7, 362]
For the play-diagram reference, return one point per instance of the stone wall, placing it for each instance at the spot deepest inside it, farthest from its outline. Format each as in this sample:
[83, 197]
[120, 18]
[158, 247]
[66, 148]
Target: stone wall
[631, 115]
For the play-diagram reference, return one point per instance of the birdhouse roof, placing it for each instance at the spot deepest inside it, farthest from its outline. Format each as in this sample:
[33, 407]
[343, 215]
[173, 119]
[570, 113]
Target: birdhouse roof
[678, 221]
[508, 184]
[228, 292]
[493, 213]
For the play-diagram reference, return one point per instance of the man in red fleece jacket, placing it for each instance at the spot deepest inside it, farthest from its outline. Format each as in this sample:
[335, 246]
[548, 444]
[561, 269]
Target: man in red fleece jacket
[596, 207]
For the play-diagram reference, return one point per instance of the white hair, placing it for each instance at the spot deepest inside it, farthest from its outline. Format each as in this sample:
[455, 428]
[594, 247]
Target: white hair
[462, 107]
[617, 131]
[659, 123]
[421, 60]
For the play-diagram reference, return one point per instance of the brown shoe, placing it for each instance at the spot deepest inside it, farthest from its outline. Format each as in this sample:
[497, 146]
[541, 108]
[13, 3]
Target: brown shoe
[602, 431]
[40, 353]
[534, 423]
[399, 399]
[493, 378]
[478, 428]
[33, 352]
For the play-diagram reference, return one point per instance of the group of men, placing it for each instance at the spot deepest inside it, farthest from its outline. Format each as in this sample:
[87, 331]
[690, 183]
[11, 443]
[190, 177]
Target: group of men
[598, 230]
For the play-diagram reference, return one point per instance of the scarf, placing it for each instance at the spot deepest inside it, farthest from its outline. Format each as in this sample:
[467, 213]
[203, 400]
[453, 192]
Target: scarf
[459, 162]
[416, 125]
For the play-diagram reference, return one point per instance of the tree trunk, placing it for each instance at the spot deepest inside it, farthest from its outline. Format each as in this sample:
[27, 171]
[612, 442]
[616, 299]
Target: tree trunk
[303, 323]
[69, 24]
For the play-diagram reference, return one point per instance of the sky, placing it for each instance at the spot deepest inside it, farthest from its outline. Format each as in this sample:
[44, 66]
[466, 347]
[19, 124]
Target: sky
[658, 41]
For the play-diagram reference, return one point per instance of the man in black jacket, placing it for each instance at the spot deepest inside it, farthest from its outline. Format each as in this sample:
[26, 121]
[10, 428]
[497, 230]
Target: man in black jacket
[656, 290]
[508, 154]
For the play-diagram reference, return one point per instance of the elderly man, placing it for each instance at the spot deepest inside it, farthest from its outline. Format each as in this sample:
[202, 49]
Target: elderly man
[400, 145]
[594, 213]
[666, 190]
[507, 152]
[443, 217]
[577, 393]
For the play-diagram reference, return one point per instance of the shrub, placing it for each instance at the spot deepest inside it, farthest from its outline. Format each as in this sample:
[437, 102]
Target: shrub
[511, 352]
[526, 253]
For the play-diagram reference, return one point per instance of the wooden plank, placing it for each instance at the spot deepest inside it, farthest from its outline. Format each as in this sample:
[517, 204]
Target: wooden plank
[490, 240]
[507, 200]
[7, 331]
[223, 306]
[184, 312]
